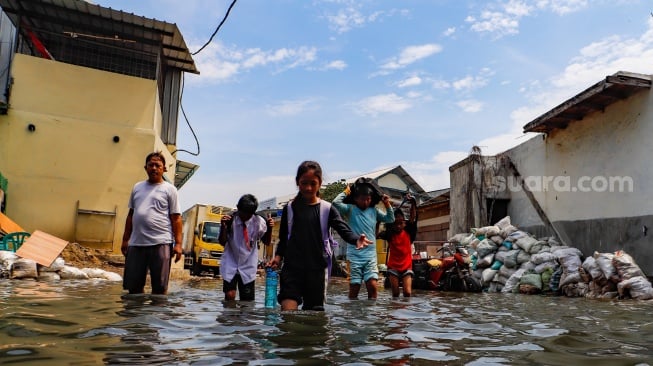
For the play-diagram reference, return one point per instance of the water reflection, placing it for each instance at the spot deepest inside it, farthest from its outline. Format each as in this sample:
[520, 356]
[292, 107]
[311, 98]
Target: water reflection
[89, 323]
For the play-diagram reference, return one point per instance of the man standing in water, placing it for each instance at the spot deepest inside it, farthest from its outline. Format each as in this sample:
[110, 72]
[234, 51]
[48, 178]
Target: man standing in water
[153, 227]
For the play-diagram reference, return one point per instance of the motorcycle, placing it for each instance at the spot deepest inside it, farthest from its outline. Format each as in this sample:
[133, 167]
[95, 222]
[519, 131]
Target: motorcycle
[450, 272]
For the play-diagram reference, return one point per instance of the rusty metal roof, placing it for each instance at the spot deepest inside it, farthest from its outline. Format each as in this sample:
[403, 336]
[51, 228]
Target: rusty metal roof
[105, 26]
[613, 88]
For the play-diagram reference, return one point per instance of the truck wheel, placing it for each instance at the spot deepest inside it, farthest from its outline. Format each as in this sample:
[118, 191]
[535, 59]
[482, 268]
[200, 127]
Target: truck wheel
[197, 268]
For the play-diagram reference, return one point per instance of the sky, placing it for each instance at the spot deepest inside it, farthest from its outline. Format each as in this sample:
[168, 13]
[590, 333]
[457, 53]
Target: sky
[362, 85]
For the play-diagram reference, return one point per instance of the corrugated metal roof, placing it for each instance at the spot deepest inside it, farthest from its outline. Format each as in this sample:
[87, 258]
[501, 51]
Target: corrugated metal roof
[613, 88]
[106, 26]
[183, 171]
[397, 170]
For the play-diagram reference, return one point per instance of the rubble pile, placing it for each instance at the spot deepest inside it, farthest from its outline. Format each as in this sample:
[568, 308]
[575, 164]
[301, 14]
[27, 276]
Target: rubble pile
[506, 259]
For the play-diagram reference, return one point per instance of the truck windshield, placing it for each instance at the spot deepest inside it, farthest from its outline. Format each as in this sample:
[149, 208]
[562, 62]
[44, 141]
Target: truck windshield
[211, 232]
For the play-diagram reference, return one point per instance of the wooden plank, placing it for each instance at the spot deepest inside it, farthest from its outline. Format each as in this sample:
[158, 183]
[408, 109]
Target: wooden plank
[7, 225]
[42, 247]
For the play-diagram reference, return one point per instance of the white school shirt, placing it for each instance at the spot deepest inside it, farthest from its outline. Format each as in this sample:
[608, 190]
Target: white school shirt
[236, 257]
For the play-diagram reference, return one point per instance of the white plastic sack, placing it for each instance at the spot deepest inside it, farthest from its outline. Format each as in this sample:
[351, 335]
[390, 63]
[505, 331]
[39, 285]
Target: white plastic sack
[543, 257]
[513, 281]
[592, 268]
[525, 243]
[604, 260]
[626, 266]
[488, 275]
[637, 287]
[49, 276]
[503, 223]
[72, 273]
[544, 265]
[505, 232]
[24, 268]
[57, 265]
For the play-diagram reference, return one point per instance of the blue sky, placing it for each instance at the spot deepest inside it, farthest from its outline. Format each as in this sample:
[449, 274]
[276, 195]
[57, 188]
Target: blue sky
[363, 85]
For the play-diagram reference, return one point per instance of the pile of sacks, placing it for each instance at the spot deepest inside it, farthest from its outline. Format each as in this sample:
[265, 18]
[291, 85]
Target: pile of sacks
[14, 267]
[506, 259]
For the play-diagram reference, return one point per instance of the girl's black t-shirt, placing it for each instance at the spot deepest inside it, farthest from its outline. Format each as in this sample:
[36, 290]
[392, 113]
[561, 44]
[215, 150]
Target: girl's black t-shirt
[305, 247]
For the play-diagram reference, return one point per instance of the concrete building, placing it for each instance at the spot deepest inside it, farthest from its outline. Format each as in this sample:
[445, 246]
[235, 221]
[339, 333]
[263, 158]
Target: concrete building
[585, 177]
[88, 92]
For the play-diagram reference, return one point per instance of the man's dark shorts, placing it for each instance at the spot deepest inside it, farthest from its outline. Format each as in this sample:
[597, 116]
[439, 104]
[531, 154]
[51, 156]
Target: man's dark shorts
[304, 286]
[245, 290]
[139, 259]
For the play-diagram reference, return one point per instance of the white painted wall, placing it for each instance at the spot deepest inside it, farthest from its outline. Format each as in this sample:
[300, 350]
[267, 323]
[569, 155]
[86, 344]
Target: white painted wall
[611, 143]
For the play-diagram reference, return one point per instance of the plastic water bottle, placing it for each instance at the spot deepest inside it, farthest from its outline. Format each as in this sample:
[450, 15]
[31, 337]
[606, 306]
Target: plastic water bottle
[271, 282]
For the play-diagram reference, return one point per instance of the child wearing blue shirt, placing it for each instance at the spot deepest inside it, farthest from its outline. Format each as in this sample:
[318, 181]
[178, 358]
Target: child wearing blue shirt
[363, 216]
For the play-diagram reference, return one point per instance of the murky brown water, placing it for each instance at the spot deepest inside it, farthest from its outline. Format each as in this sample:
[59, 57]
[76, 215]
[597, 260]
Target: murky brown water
[92, 323]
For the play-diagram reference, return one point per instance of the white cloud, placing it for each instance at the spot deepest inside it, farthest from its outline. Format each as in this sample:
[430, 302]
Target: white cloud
[352, 16]
[411, 54]
[336, 65]
[218, 62]
[411, 81]
[502, 18]
[449, 31]
[473, 82]
[291, 107]
[470, 105]
[385, 103]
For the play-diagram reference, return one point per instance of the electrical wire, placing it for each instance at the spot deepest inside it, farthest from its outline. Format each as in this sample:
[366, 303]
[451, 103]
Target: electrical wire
[181, 94]
[181, 106]
[216, 29]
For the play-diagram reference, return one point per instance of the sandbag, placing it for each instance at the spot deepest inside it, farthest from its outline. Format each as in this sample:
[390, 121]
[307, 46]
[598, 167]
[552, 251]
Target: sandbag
[543, 257]
[510, 260]
[626, 266]
[503, 223]
[93, 272]
[638, 288]
[533, 279]
[111, 276]
[516, 236]
[49, 276]
[24, 268]
[546, 279]
[496, 239]
[506, 272]
[525, 243]
[7, 259]
[523, 257]
[485, 261]
[72, 273]
[485, 247]
[604, 260]
[512, 283]
[57, 265]
[500, 256]
[488, 275]
[505, 232]
[540, 268]
[592, 268]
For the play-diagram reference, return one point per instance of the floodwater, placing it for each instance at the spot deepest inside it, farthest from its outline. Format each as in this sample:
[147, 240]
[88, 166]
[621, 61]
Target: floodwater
[94, 323]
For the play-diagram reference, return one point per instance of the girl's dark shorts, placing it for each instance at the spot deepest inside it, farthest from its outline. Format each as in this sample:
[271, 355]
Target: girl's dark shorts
[307, 287]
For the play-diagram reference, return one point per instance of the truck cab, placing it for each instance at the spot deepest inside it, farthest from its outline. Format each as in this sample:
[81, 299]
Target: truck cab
[202, 250]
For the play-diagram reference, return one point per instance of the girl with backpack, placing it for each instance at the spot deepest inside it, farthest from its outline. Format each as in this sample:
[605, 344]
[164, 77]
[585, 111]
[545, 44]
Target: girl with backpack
[302, 245]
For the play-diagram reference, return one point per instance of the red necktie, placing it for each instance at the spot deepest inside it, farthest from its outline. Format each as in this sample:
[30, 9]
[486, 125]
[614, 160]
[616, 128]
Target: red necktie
[246, 237]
